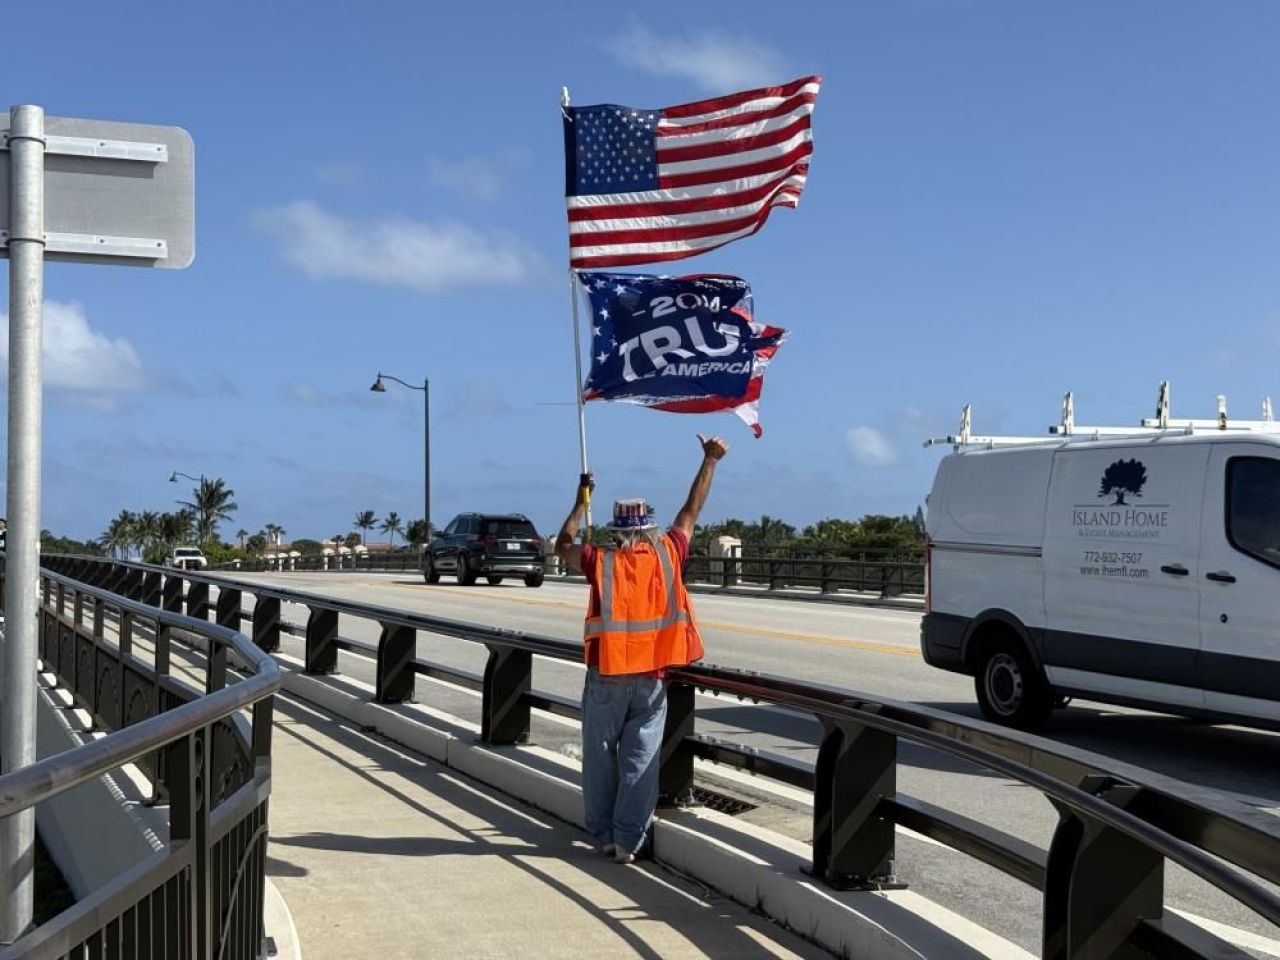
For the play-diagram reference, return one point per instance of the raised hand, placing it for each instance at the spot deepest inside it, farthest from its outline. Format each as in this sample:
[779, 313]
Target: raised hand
[713, 448]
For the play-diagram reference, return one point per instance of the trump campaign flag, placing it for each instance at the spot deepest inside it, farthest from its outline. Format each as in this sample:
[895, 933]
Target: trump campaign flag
[680, 344]
[650, 185]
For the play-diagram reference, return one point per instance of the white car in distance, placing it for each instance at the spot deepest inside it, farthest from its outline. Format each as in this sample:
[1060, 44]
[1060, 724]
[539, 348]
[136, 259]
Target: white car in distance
[186, 558]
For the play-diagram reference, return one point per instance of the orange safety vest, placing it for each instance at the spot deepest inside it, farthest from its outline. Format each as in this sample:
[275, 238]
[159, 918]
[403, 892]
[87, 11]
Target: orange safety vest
[645, 621]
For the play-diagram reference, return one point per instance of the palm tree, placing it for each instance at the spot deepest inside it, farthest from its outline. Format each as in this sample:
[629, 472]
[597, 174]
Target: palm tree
[273, 533]
[177, 527]
[417, 533]
[772, 532]
[393, 525]
[120, 533]
[240, 535]
[149, 528]
[212, 503]
[365, 521]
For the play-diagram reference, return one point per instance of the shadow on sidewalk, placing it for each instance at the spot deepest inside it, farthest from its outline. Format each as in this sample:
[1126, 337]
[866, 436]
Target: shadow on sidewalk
[530, 841]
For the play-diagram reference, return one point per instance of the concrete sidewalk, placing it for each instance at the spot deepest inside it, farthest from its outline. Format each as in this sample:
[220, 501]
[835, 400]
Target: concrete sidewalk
[380, 852]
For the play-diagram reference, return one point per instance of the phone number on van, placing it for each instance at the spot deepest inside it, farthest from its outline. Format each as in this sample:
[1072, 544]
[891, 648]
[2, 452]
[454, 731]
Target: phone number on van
[1103, 556]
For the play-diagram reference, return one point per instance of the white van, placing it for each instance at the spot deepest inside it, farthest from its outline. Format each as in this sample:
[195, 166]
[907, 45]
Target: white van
[1139, 569]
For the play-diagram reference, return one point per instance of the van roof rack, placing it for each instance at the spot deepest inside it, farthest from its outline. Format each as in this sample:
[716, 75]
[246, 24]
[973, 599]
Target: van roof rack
[1067, 430]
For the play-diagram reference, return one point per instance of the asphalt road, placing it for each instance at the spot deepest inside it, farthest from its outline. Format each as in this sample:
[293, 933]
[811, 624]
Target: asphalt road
[871, 649]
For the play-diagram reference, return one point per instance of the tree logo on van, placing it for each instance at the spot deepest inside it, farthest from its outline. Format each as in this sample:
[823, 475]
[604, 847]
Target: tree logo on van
[1123, 476]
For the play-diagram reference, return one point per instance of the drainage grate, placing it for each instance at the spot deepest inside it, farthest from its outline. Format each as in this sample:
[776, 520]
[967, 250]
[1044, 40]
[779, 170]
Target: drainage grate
[721, 803]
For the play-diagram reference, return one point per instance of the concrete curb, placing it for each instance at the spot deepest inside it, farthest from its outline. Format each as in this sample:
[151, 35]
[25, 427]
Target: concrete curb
[754, 866]
[277, 923]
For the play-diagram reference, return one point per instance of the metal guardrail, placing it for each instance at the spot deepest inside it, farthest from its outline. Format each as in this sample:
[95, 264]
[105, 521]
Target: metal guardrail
[884, 572]
[201, 897]
[887, 573]
[1102, 878]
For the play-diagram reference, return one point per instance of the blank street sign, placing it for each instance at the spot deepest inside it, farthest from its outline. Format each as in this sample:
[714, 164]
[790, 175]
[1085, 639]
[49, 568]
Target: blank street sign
[118, 193]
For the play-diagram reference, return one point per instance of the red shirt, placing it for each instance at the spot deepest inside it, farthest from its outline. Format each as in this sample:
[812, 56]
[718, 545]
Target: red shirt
[678, 539]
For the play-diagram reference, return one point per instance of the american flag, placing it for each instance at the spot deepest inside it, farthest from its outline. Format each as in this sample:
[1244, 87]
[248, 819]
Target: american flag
[651, 185]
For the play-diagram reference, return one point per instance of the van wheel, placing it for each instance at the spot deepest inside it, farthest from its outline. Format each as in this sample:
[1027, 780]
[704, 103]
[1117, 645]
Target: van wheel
[1010, 688]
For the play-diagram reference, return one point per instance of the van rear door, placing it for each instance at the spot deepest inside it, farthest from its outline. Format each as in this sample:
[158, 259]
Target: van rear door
[1122, 590]
[1240, 580]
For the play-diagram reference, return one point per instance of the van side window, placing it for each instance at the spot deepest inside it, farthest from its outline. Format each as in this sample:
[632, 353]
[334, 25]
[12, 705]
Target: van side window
[1253, 507]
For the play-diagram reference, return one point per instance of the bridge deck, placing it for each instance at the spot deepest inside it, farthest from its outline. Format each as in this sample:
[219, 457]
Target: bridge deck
[380, 852]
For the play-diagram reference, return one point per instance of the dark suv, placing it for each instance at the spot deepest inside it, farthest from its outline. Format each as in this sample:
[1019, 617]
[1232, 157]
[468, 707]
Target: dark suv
[490, 545]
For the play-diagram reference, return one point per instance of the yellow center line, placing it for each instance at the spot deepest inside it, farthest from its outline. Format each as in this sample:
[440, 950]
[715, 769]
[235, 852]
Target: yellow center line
[870, 646]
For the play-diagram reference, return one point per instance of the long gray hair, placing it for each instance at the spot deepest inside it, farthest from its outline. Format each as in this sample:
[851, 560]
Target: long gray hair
[630, 539]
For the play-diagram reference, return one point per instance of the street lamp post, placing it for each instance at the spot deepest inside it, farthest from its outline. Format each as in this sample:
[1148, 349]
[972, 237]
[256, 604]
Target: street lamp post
[173, 478]
[380, 387]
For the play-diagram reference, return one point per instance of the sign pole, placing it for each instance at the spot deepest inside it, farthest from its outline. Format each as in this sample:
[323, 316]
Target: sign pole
[22, 569]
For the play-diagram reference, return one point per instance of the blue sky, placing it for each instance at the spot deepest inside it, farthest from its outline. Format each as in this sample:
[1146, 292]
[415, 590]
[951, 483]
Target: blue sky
[1007, 200]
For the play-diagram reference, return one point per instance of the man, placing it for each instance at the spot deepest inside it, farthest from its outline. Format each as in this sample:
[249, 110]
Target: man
[639, 623]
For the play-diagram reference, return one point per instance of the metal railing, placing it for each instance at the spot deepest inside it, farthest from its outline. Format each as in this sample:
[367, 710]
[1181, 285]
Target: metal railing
[886, 573]
[201, 896]
[1101, 879]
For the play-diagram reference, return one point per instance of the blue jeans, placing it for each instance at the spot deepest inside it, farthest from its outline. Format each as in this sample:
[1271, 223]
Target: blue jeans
[622, 721]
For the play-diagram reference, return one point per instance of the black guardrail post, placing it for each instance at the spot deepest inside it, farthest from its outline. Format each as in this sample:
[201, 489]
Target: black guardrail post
[47, 625]
[853, 845]
[692, 569]
[215, 676]
[227, 613]
[131, 585]
[198, 600]
[508, 678]
[124, 634]
[190, 797]
[322, 641]
[151, 594]
[172, 593]
[887, 587]
[160, 782]
[266, 623]
[828, 575]
[1099, 883]
[397, 647]
[675, 770]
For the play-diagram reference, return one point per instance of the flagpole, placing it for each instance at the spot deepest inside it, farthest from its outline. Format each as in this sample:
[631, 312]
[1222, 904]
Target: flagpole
[577, 368]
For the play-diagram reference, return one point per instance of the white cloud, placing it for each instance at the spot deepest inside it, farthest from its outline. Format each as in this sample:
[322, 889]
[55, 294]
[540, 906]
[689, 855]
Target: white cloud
[426, 257]
[77, 357]
[718, 62]
[483, 178]
[870, 447]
